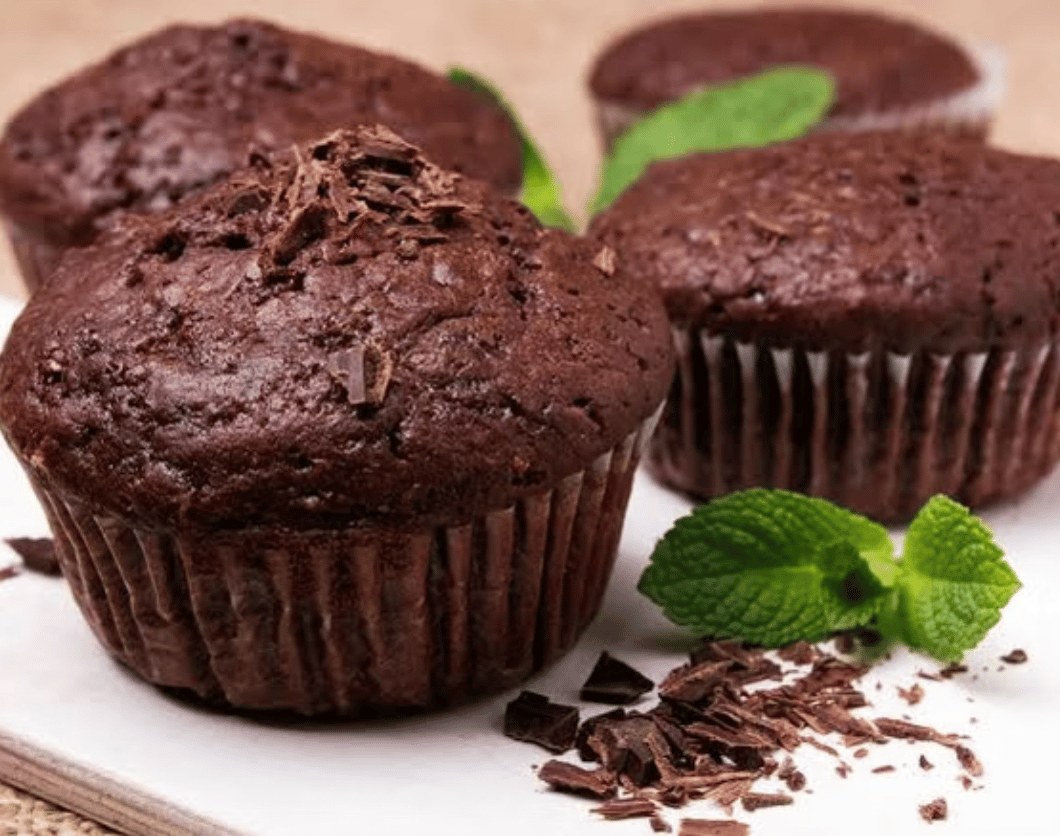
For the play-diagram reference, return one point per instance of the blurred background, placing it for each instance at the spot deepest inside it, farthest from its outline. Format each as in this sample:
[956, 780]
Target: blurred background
[537, 51]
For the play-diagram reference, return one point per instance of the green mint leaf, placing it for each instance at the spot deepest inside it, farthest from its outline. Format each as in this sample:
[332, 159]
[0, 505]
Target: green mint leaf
[951, 584]
[771, 107]
[540, 190]
[770, 567]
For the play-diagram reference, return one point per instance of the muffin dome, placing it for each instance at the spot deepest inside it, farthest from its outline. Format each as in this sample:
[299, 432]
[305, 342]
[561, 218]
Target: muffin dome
[181, 108]
[346, 433]
[888, 71]
[868, 317]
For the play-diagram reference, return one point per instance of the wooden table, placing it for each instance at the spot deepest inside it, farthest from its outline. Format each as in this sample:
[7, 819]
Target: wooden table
[537, 51]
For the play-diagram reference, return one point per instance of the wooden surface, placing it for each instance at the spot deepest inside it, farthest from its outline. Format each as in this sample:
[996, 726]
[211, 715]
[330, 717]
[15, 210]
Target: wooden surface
[537, 51]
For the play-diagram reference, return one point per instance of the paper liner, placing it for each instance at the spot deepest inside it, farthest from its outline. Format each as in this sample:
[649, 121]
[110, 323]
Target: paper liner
[878, 432]
[357, 621]
[969, 111]
[36, 257]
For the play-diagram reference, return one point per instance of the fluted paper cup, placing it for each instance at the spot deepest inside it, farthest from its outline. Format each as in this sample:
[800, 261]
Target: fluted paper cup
[878, 432]
[356, 621]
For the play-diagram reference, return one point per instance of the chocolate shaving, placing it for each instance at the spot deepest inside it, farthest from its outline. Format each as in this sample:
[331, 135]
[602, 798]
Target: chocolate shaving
[659, 824]
[879, 770]
[567, 777]
[37, 553]
[757, 800]
[626, 808]
[925, 764]
[613, 681]
[934, 810]
[533, 718]
[911, 695]
[1014, 657]
[8, 572]
[712, 827]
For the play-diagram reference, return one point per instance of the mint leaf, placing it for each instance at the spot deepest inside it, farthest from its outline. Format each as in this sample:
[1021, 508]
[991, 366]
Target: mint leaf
[952, 582]
[768, 567]
[771, 107]
[540, 190]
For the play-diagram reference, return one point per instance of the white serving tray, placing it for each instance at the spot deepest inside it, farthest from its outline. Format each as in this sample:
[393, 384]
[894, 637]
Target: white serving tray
[78, 729]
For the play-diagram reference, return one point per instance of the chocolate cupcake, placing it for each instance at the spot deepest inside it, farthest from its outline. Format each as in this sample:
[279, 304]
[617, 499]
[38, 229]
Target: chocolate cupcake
[870, 318]
[347, 433]
[889, 72]
[182, 108]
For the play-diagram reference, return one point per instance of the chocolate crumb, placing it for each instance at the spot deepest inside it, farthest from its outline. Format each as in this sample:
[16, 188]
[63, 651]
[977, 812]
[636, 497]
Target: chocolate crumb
[1015, 657]
[861, 753]
[37, 553]
[614, 682]
[626, 808]
[568, 777]
[533, 718]
[605, 261]
[712, 827]
[969, 761]
[911, 695]
[933, 810]
[952, 670]
[925, 764]
[843, 770]
[8, 572]
[879, 770]
[757, 800]
[659, 824]
[930, 676]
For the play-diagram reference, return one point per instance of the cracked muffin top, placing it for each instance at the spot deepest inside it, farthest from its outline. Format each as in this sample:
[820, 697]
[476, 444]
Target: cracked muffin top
[180, 108]
[851, 242]
[347, 334]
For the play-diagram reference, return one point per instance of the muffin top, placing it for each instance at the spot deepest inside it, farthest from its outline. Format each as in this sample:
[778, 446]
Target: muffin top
[180, 109]
[851, 242]
[879, 63]
[343, 335]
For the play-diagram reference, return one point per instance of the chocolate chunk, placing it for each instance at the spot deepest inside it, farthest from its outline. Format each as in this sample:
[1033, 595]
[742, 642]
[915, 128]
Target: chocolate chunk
[1015, 657]
[568, 777]
[757, 800]
[933, 810]
[37, 553]
[533, 718]
[585, 730]
[712, 827]
[613, 681]
[626, 808]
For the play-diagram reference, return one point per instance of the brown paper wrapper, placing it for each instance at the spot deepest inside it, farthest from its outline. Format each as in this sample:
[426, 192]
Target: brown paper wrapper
[877, 432]
[357, 621]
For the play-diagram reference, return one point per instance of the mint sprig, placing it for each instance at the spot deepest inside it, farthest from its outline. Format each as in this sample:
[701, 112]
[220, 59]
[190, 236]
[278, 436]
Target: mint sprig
[773, 106]
[540, 191]
[772, 567]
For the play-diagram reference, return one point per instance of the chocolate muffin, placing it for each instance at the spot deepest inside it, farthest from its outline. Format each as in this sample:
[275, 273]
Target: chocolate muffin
[347, 433]
[888, 72]
[181, 108]
[869, 317]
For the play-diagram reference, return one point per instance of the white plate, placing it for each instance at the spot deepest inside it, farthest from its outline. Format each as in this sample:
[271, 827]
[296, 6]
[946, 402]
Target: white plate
[65, 704]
